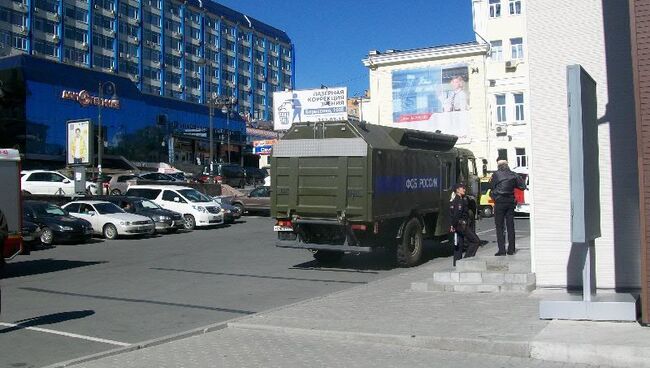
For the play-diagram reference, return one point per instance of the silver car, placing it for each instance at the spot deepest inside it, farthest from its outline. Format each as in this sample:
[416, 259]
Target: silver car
[119, 183]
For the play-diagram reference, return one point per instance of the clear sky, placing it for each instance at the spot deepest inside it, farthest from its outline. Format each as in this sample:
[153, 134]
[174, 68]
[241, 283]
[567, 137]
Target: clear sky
[333, 36]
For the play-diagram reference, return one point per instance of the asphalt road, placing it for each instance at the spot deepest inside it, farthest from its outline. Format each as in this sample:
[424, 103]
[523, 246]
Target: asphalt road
[73, 300]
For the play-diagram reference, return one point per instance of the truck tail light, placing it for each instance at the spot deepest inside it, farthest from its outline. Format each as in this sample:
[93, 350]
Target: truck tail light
[359, 227]
[284, 223]
[219, 179]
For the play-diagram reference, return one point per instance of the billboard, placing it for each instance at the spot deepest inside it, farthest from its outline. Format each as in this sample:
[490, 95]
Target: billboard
[310, 105]
[79, 140]
[432, 98]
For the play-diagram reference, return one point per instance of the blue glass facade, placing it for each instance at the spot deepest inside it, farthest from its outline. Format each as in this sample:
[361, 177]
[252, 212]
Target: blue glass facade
[187, 50]
[39, 99]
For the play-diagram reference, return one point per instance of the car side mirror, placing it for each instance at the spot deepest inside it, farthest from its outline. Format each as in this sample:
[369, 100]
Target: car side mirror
[176, 199]
[92, 213]
[66, 181]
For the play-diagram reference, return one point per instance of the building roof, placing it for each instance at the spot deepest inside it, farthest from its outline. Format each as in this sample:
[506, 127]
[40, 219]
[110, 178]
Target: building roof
[237, 17]
[376, 58]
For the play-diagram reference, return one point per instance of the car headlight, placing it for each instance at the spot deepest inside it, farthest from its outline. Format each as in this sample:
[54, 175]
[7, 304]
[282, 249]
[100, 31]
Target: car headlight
[162, 218]
[67, 228]
[200, 209]
[123, 223]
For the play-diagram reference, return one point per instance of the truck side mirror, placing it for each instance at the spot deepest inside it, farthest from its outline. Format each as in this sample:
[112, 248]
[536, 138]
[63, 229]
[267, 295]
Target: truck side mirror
[485, 167]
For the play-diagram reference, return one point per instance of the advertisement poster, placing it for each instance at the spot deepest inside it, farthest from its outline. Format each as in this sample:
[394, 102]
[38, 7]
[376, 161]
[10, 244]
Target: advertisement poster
[263, 147]
[79, 140]
[433, 98]
[313, 105]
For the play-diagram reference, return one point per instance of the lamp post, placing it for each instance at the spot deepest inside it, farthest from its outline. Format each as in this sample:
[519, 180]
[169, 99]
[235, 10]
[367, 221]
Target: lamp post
[107, 88]
[226, 104]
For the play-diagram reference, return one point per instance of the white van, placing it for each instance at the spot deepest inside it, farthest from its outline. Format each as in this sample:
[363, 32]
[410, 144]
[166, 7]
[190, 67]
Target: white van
[197, 208]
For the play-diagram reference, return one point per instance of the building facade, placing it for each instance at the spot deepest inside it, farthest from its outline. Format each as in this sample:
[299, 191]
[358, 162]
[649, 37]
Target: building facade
[416, 89]
[502, 24]
[188, 50]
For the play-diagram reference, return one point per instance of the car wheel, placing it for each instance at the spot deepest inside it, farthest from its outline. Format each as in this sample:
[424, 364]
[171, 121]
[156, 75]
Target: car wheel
[409, 249]
[110, 231]
[47, 236]
[239, 207]
[190, 222]
[116, 192]
[487, 211]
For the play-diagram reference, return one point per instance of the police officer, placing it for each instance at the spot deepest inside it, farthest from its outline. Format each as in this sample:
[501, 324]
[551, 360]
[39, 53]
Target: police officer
[459, 215]
[503, 184]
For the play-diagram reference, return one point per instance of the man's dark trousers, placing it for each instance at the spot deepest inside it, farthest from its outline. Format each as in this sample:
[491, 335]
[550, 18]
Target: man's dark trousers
[505, 211]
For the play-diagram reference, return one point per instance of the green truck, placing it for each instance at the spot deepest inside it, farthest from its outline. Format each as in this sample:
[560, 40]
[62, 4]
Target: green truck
[351, 187]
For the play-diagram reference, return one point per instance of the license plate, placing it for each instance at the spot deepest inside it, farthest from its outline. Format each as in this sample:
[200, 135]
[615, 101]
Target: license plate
[282, 228]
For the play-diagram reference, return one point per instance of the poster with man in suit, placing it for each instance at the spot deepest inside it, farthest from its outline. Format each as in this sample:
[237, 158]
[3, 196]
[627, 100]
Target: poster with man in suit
[78, 142]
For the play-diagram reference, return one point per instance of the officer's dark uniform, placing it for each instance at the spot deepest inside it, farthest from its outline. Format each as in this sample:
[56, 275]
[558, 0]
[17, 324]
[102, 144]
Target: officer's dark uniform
[460, 220]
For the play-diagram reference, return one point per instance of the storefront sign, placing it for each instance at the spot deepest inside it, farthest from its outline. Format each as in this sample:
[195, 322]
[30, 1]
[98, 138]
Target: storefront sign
[263, 147]
[85, 99]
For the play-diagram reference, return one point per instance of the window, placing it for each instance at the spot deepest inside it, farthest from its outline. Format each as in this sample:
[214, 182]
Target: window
[16, 41]
[169, 196]
[259, 56]
[195, 33]
[103, 41]
[12, 17]
[195, 17]
[148, 88]
[76, 34]
[76, 13]
[522, 159]
[151, 18]
[496, 50]
[173, 43]
[144, 193]
[72, 207]
[517, 47]
[230, 61]
[192, 49]
[128, 67]
[495, 8]
[46, 48]
[105, 22]
[502, 154]
[515, 7]
[173, 26]
[274, 47]
[75, 55]
[173, 78]
[519, 106]
[501, 108]
[128, 48]
[193, 82]
[102, 61]
[153, 3]
[151, 73]
[39, 177]
[128, 10]
[106, 4]
[44, 25]
[152, 37]
[171, 60]
[47, 5]
[128, 29]
[151, 54]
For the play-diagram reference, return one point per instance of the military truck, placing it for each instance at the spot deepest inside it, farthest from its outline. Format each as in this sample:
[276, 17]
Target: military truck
[351, 187]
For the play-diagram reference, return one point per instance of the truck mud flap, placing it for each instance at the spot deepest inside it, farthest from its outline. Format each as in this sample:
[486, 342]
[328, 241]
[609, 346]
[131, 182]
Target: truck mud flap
[339, 248]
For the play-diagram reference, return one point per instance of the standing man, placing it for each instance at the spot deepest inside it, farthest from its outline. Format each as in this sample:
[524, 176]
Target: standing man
[297, 108]
[79, 148]
[457, 97]
[503, 184]
[460, 223]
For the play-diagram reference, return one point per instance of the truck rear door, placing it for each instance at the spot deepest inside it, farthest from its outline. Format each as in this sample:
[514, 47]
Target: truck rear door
[10, 201]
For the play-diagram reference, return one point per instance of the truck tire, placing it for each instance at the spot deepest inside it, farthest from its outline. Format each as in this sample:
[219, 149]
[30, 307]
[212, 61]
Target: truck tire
[486, 211]
[327, 256]
[409, 249]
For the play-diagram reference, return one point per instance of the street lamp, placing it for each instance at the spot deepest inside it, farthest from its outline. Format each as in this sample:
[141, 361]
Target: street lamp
[105, 88]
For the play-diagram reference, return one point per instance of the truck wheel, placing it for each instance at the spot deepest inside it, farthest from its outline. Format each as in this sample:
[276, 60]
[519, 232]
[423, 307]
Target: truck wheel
[409, 249]
[327, 256]
[487, 211]
[116, 192]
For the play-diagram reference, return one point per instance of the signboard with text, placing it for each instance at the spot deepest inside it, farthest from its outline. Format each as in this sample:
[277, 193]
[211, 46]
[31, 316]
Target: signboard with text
[263, 147]
[313, 105]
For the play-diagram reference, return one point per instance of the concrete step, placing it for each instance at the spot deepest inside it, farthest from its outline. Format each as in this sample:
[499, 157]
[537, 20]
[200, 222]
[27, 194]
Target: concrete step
[487, 277]
[497, 264]
[483, 287]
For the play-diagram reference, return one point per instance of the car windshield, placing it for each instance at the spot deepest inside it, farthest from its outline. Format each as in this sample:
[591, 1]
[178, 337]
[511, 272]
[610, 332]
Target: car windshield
[194, 195]
[149, 205]
[107, 208]
[48, 210]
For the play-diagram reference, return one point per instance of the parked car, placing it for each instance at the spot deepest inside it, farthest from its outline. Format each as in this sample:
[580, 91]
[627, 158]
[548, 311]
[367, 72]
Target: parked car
[56, 225]
[197, 209]
[109, 220]
[50, 182]
[231, 213]
[30, 233]
[119, 183]
[156, 176]
[258, 200]
[179, 176]
[255, 176]
[230, 174]
[164, 220]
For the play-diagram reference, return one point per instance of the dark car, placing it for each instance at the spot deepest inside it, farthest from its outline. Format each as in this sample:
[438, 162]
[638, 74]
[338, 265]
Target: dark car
[165, 220]
[231, 213]
[258, 200]
[156, 176]
[230, 174]
[31, 233]
[56, 224]
[255, 176]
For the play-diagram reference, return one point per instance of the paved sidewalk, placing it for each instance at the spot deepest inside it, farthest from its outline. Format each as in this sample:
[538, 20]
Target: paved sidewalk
[384, 324]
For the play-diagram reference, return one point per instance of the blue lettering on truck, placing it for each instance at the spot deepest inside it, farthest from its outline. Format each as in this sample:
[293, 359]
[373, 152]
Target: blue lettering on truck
[402, 184]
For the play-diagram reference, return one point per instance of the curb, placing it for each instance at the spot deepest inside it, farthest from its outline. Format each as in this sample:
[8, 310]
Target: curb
[212, 327]
[485, 346]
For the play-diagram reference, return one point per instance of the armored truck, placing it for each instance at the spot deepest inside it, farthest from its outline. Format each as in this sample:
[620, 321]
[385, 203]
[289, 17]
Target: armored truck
[351, 187]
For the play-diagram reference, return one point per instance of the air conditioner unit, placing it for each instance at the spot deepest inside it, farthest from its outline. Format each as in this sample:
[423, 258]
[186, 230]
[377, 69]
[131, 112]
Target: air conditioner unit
[36, 10]
[55, 38]
[84, 45]
[502, 130]
[112, 69]
[135, 39]
[148, 43]
[511, 64]
[136, 78]
[180, 86]
[156, 61]
[21, 6]
[96, 6]
[23, 29]
[121, 54]
[112, 12]
[112, 33]
[57, 18]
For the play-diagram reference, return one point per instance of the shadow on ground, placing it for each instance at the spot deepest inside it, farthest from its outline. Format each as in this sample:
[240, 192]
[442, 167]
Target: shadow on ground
[41, 266]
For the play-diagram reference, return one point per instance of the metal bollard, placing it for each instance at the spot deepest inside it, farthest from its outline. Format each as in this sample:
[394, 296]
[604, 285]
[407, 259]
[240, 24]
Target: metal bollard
[455, 248]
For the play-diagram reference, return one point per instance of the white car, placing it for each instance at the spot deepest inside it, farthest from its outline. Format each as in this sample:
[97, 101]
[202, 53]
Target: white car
[197, 208]
[109, 220]
[50, 182]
